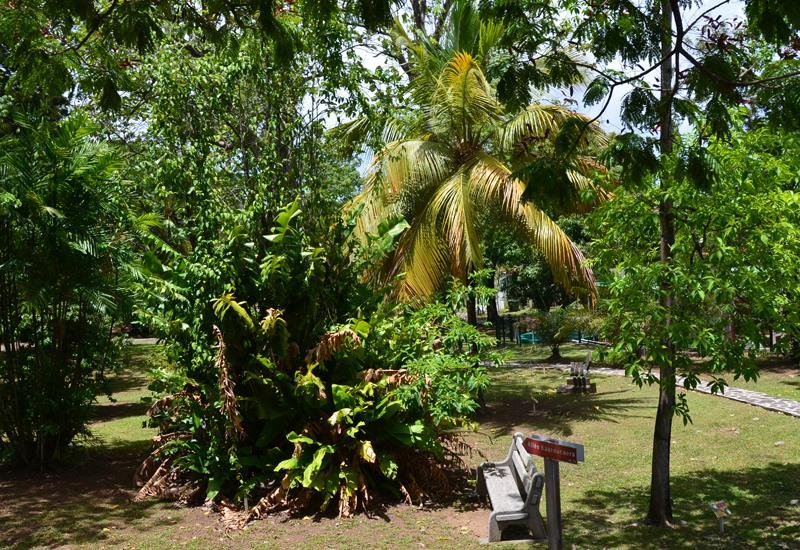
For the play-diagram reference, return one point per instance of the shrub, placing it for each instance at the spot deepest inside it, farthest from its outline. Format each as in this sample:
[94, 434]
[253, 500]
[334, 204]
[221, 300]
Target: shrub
[362, 410]
[62, 273]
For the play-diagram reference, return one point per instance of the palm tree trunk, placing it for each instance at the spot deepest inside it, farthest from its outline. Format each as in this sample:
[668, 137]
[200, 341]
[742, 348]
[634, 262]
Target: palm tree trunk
[660, 508]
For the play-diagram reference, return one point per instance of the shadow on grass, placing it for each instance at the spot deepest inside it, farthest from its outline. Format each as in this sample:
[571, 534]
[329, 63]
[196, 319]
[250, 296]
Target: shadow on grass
[517, 400]
[78, 504]
[127, 381]
[536, 353]
[87, 500]
[760, 498]
[114, 411]
[793, 383]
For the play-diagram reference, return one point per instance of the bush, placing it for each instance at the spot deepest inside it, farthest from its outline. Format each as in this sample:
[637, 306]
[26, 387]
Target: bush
[62, 273]
[362, 410]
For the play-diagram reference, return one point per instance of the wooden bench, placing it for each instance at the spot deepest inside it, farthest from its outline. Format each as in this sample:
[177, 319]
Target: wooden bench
[514, 488]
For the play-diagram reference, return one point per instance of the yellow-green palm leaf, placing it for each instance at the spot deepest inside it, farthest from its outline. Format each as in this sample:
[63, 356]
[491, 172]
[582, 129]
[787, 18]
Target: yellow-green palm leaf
[444, 180]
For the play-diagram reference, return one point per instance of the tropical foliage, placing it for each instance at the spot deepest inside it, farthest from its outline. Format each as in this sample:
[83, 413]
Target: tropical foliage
[175, 165]
[64, 248]
[368, 407]
[735, 260]
[465, 156]
[557, 325]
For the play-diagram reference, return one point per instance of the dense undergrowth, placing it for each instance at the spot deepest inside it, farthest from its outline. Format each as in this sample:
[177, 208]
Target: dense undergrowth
[285, 415]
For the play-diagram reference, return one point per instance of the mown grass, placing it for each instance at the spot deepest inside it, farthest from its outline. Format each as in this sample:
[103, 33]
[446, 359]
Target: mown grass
[83, 502]
[744, 455]
[536, 352]
[120, 420]
[776, 378]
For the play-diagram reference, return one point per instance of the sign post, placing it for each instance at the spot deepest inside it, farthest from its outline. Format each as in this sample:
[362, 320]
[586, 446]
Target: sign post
[553, 451]
[552, 488]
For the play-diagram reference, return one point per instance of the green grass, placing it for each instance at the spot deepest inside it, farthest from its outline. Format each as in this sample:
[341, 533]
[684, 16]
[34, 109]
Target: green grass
[85, 502]
[778, 381]
[536, 353]
[776, 378]
[119, 420]
[744, 455]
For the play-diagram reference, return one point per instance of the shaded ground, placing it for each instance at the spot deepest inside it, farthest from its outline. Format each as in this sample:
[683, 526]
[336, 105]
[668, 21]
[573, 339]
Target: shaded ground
[747, 457]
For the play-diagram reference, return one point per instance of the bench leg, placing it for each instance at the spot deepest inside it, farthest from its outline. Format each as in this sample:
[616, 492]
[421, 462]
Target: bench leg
[536, 524]
[494, 529]
[480, 484]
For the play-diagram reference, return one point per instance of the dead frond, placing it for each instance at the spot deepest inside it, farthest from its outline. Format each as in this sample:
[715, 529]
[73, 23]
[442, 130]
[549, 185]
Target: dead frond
[273, 502]
[331, 343]
[234, 430]
[394, 377]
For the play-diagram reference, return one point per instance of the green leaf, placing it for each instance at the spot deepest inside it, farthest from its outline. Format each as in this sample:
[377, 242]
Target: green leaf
[288, 464]
[312, 470]
[388, 466]
[213, 488]
[294, 437]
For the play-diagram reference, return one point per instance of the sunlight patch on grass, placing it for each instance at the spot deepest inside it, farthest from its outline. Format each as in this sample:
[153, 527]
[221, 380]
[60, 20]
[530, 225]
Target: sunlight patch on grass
[734, 452]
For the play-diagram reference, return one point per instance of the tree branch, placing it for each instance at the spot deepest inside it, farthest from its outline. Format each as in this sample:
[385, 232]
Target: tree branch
[702, 15]
[733, 83]
[95, 26]
[439, 28]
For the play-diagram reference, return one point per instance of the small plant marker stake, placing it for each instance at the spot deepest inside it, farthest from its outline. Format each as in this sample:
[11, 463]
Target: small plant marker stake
[720, 509]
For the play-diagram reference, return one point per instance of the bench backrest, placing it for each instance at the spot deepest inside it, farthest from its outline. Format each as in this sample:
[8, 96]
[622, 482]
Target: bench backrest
[529, 480]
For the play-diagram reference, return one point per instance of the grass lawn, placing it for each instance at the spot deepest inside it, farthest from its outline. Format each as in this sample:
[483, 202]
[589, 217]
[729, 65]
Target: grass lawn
[778, 378]
[537, 352]
[747, 456]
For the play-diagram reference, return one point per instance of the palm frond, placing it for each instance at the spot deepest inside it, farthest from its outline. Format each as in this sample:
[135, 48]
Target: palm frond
[463, 102]
[493, 183]
[456, 222]
[399, 165]
[422, 260]
[545, 123]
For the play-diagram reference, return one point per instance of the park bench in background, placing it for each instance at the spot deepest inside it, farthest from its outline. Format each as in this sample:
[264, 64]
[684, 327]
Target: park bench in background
[579, 380]
[514, 488]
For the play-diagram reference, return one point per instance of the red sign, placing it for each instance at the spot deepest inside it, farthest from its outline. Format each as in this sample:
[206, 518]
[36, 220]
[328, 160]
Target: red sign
[555, 449]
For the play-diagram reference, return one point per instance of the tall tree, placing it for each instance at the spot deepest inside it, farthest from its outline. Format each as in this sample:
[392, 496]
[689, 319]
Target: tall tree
[455, 126]
[458, 159]
[704, 67]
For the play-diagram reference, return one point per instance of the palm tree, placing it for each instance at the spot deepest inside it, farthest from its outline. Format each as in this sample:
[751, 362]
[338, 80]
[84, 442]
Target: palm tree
[64, 254]
[465, 156]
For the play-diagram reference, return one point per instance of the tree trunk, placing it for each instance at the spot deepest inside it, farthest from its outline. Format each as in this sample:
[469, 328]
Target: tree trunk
[491, 306]
[660, 509]
[472, 314]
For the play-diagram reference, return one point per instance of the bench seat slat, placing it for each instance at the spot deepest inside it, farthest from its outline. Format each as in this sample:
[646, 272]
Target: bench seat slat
[502, 489]
[526, 458]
